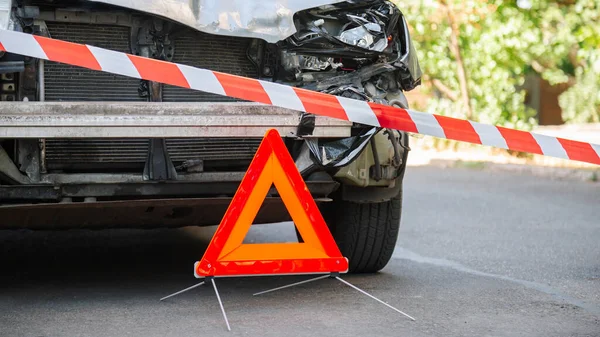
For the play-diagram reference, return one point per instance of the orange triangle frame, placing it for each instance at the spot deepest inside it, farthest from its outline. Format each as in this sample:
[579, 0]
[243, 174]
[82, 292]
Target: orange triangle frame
[226, 254]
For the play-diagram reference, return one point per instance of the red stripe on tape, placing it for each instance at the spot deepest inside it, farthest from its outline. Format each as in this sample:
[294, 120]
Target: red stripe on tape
[321, 104]
[579, 151]
[520, 140]
[67, 52]
[393, 118]
[458, 129]
[159, 71]
[244, 88]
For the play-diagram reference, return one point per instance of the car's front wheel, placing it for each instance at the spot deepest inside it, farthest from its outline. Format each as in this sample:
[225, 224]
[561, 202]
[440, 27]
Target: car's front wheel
[366, 233]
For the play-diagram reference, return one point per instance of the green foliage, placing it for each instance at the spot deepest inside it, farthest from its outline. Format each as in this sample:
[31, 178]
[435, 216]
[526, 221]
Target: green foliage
[500, 43]
[580, 103]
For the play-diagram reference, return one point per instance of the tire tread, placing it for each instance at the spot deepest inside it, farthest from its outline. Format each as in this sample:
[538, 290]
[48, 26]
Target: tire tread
[366, 233]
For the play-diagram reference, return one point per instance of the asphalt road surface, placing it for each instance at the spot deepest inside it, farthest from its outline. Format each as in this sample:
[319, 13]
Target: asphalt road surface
[480, 254]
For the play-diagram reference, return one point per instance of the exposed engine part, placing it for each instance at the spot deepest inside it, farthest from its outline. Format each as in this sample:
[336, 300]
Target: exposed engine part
[373, 82]
[296, 63]
[354, 49]
[367, 36]
[382, 89]
[375, 93]
[349, 91]
[327, 80]
[152, 39]
[9, 172]
[394, 136]
[371, 29]
[376, 171]
[362, 29]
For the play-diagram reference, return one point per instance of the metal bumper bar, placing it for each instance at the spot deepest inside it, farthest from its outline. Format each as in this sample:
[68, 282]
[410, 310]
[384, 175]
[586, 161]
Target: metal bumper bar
[149, 120]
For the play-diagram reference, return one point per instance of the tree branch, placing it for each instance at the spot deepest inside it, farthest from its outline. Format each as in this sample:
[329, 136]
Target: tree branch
[441, 87]
[455, 49]
[537, 66]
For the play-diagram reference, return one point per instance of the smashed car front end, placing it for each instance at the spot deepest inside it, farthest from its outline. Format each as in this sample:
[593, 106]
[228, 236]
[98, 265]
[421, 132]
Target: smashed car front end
[75, 142]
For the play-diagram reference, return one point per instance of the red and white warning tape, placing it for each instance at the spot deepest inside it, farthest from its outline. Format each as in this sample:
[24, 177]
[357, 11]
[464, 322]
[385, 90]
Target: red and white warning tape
[295, 98]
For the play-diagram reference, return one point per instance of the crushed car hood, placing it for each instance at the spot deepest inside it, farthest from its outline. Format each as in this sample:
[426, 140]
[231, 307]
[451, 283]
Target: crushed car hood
[270, 20]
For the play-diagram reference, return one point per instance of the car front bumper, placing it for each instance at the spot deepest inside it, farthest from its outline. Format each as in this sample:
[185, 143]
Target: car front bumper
[160, 120]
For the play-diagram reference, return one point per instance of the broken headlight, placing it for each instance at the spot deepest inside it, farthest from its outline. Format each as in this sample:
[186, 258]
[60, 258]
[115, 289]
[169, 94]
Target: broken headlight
[354, 49]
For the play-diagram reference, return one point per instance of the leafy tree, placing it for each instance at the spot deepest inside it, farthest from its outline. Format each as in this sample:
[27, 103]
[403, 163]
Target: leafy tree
[475, 55]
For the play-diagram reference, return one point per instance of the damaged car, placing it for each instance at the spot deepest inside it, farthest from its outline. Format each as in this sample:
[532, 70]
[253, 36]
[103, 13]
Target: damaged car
[87, 149]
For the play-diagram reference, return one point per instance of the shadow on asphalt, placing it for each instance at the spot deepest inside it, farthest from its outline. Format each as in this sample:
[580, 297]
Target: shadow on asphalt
[105, 255]
[118, 259]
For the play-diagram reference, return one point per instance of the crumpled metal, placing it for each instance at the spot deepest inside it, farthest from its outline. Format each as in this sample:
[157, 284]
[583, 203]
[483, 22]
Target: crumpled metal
[361, 37]
[270, 20]
[339, 153]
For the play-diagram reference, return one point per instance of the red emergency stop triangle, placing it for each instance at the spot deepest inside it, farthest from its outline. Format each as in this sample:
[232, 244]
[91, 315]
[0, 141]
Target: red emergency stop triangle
[226, 254]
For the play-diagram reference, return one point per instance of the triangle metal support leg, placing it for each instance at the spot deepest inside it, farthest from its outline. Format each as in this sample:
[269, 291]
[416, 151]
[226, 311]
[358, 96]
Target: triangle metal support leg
[337, 277]
[182, 291]
[212, 280]
[373, 297]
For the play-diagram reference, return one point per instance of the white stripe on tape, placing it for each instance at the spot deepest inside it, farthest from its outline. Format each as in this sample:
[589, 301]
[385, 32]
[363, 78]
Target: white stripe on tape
[19, 43]
[202, 79]
[114, 62]
[358, 111]
[282, 96]
[550, 146]
[596, 148]
[489, 135]
[426, 124]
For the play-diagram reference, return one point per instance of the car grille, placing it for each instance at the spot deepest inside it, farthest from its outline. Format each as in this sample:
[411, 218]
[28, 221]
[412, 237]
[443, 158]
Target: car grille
[220, 53]
[131, 154]
[68, 83]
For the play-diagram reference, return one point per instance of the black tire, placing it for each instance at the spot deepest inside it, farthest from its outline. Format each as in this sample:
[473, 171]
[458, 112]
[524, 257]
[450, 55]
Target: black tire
[366, 233]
